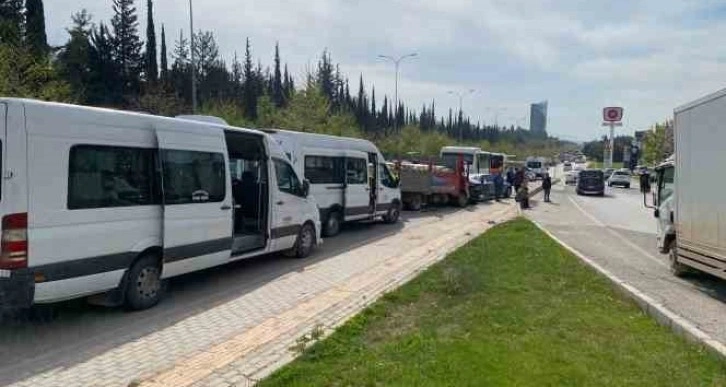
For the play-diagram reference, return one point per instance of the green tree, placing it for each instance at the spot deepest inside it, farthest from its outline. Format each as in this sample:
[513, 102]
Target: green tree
[35, 37]
[105, 86]
[11, 22]
[164, 59]
[249, 88]
[152, 67]
[21, 75]
[127, 46]
[74, 58]
[278, 93]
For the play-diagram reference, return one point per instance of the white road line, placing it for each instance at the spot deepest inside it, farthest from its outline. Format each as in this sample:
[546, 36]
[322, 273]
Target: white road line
[617, 235]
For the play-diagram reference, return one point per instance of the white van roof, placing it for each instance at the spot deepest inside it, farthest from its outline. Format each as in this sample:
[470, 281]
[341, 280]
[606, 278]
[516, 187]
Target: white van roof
[121, 118]
[325, 141]
[462, 149]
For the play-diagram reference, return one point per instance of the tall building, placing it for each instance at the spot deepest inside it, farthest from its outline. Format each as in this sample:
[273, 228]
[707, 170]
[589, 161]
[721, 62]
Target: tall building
[538, 118]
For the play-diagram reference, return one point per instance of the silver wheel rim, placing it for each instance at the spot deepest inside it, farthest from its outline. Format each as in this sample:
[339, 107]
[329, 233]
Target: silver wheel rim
[147, 283]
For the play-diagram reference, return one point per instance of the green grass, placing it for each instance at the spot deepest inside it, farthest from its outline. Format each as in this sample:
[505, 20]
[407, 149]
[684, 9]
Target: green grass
[510, 308]
[595, 164]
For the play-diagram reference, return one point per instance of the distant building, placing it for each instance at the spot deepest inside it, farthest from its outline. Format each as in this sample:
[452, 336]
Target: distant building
[538, 119]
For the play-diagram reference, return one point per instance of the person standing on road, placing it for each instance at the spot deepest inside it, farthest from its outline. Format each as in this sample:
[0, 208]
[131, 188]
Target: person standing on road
[518, 179]
[523, 196]
[547, 186]
[498, 186]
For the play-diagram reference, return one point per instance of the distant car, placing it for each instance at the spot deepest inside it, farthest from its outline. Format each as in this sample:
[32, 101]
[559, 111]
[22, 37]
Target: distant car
[591, 182]
[567, 167]
[608, 172]
[619, 178]
[571, 178]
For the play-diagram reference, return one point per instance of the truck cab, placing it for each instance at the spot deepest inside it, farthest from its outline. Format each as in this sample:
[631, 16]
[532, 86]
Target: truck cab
[664, 200]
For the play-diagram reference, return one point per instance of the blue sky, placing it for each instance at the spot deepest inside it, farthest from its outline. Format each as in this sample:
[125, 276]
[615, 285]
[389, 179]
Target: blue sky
[648, 56]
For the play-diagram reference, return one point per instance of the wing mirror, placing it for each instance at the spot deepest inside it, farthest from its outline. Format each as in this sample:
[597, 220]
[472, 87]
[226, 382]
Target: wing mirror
[306, 188]
[656, 213]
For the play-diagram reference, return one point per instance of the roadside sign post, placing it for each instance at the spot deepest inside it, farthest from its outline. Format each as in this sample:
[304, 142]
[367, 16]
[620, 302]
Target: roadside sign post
[612, 117]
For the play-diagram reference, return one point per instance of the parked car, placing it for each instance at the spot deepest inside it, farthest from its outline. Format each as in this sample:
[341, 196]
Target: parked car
[591, 182]
[608, 172]
[619, 178]
[571, 178]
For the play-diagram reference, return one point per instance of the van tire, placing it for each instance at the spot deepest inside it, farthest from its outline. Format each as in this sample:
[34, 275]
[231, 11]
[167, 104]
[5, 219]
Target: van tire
[144, 286]
[678, 269]
[393, 214]
[332, 224]
[415, 203]
[305, 242]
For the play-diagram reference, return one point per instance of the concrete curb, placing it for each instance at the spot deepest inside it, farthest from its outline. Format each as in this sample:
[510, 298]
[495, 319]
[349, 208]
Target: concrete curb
[664, 316]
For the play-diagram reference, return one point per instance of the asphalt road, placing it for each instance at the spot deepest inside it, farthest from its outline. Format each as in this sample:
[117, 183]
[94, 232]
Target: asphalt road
[619, 233]
[79, 331]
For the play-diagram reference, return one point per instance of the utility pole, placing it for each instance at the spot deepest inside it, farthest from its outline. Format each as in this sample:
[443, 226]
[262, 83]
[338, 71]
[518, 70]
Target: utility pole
[461, 108]
[194, 64]
[397, 63]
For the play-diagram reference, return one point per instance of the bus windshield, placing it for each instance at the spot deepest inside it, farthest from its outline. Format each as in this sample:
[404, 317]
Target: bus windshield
[450, 159]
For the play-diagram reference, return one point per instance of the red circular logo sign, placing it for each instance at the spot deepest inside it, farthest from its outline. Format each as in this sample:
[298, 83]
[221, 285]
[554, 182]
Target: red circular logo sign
[613, 114]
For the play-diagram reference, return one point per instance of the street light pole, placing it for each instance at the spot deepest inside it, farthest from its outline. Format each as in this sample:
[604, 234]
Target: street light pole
[397, 63]
[194, 66]
[461, 108]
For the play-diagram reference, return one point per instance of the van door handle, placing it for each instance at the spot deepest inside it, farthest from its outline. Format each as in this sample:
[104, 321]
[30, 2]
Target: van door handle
[280, 203]
[225, 207]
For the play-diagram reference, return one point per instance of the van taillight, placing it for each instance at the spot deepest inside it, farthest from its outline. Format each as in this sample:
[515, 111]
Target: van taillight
[14, 242]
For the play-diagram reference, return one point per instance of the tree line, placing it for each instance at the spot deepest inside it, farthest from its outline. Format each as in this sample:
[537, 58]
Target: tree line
[108, 63]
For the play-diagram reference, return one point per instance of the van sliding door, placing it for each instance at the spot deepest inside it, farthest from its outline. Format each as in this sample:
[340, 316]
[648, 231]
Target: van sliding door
[197, 197]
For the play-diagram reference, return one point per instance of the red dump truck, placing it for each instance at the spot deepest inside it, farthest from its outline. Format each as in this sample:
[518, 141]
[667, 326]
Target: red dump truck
[425, 184]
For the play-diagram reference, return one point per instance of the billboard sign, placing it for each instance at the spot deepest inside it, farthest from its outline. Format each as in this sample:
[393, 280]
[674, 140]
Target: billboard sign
[612, 114]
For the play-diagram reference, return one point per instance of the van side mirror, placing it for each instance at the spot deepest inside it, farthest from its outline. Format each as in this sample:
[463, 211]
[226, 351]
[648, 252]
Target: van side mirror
[656, 213]
[306, 188]
[645, 183]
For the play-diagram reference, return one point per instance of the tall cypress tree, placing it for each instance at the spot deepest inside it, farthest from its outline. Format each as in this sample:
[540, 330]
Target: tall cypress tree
[152, 69]
[372, 117]
[361, 103]
[74, 57]
[127, 45]
[164, 58]
[249, 88]
[278, 94]
[35, 37]
[11, 22]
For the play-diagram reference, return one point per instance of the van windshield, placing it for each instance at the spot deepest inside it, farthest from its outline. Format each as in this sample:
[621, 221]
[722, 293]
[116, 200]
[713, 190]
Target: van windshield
[534, 164]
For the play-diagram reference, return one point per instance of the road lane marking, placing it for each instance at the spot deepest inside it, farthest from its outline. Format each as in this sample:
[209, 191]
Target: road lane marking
[617, 235]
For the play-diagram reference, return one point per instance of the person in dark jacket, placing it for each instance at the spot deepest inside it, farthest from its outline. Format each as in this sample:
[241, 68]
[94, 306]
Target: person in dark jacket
[547, 186]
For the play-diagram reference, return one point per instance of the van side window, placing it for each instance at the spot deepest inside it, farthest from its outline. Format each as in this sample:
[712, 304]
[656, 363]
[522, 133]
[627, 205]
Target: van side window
[324, 170]
[107, 176]
[356, 171]
[193, 177]
[667, 184]
[287, 180]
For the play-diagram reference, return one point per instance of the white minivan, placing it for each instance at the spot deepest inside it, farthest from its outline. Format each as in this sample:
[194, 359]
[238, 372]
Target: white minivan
[349, 178]
[111, 203]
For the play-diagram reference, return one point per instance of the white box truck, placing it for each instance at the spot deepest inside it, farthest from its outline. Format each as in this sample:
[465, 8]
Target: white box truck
[690, 209]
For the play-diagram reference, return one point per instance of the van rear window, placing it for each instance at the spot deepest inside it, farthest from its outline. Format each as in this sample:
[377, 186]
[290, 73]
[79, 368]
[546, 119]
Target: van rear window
[107, 176]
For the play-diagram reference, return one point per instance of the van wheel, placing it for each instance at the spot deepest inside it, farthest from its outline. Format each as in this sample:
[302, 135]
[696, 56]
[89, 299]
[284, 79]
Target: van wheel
[393, 214]
[332, 224]
[144, 285]
[678, 269]
[305, 242]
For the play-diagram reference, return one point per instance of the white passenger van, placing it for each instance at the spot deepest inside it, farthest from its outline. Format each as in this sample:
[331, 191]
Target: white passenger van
[97, 201]
[348, 177]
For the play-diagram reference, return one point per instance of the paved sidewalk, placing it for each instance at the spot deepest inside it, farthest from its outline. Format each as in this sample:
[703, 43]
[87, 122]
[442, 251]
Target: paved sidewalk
[248, 337]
